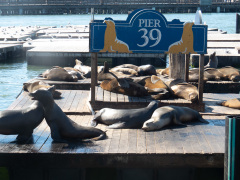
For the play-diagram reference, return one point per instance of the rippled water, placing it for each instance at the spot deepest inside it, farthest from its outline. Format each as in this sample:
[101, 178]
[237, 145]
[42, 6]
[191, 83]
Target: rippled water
[14, 73]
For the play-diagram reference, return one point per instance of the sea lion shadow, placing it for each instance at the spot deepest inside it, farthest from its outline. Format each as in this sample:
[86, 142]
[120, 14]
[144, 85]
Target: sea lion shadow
[17, 141]
[70, 145]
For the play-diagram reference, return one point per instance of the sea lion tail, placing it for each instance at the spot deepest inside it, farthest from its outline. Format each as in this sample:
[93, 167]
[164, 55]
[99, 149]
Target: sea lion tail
[101, 137]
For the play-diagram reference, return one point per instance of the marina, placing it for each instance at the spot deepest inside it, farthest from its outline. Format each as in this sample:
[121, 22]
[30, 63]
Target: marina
[170, 153]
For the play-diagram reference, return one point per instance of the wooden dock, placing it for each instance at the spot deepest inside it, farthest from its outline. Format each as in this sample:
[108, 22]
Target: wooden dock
[72, 102]
[197, 145]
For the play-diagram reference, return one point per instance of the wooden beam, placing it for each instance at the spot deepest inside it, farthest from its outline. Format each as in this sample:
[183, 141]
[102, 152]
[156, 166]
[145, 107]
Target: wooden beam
[94, 59]
[177, 66]
[200, 80]
[187, 59]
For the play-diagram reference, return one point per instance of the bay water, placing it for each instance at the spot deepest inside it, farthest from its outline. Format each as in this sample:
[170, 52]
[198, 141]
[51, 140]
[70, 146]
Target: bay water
[14, 72]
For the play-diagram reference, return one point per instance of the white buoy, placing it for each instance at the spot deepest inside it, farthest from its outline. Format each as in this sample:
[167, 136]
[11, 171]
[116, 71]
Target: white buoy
[198, 17]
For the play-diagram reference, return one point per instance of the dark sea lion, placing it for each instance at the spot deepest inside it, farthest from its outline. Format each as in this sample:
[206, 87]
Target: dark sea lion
[230, 73]
[232, 103]
[35, 85]
[167, 115]
[21, 122]
[124, 86]
[146, 70]
[213, 61]
[86, 70]
[59, 74]
[124, 118]
[185, 91]
[62, 127]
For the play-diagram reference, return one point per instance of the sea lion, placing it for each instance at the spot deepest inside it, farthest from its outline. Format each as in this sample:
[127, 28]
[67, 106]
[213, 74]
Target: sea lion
[35, 85]
[185, 44]
[59, 74]
[75, 72]
[232, 103]
[167, 115]
[85, 70]
[21, 122]
[213, 61]
[124, 86]
[127, 71]
[194, 75]
[131, 66]
[62, 127]
[230, 73]
[124, 118]
[163, 71]
[146, 70]
[111, 41]
[185, 91]
[105, 74]
[215, 72]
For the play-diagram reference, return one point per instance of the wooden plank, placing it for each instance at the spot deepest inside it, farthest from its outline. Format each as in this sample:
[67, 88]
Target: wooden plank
[69, 101]
[94, 59]
[114, 145]
[82, 101]
[132, 141]
[159, 137]
[113, 97]
[99, 94]
[141, 141]
[77, 98]
[106, 96]
[123, 144]
[150, 142]
[200, 80]
[120, 97]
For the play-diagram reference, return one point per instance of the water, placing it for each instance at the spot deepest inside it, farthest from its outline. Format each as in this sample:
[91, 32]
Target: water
[15, 72]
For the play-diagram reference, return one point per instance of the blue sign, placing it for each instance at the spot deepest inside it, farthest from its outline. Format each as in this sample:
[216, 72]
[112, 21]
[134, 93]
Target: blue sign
[147, 31]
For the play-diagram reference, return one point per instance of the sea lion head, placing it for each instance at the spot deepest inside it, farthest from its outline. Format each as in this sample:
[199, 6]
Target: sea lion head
[42, 95]
[149, 125]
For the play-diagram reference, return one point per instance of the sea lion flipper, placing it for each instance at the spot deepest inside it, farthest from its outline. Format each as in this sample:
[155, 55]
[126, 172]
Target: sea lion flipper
[118, 125]
[123, 83]
[94, 123]
[154, 79]
[203, 120]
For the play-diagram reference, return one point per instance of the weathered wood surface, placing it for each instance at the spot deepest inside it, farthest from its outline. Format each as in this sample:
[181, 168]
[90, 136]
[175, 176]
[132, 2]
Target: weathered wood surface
[224, 37]
[211, 107]
[83, 84]
[72, 101]
[197, 145]
[114, 100]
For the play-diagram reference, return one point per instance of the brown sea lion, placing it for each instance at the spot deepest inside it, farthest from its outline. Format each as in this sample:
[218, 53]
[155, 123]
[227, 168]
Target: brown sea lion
[164, 71]
[127, 71]
[124, 86]
[168, 115]
[21, 122]
[59, 74]
[105, 74]
[131, 66]
[230, 73]
[35, 85]
[232, 103]
[194, 75]
[218, 75]
[185, 91]
[124, 118]
[62, 127]
[85, 70]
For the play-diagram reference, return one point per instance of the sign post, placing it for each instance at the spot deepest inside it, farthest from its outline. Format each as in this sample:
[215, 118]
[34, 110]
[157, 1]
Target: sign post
[148, 31]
